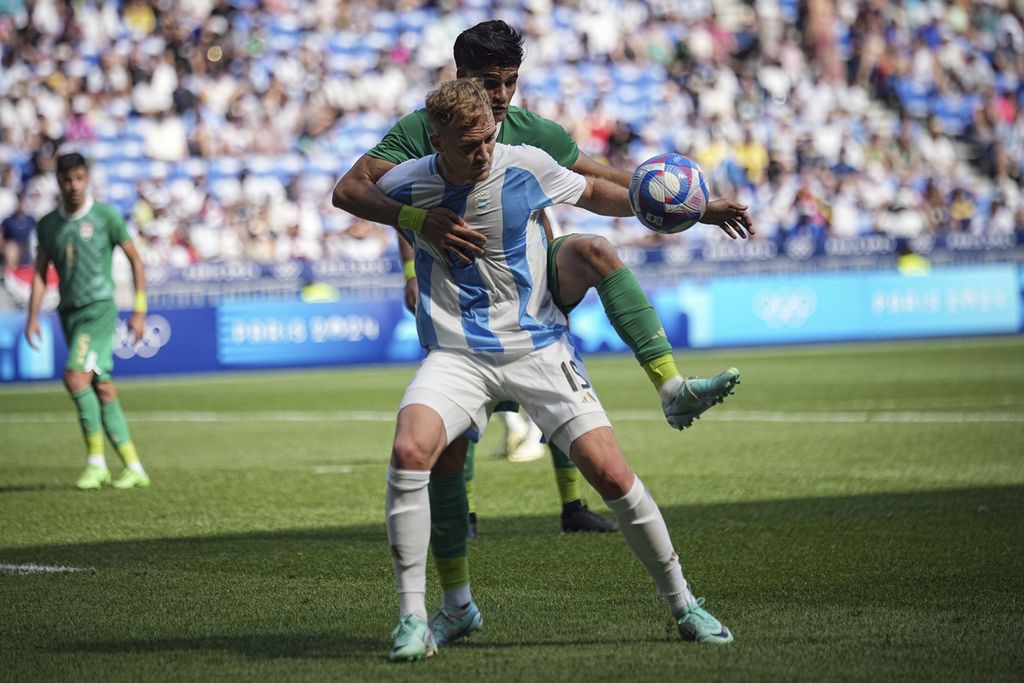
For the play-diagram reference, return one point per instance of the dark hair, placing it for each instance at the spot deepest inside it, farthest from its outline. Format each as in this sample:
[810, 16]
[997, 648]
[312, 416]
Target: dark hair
[66, 162]
[488, 44]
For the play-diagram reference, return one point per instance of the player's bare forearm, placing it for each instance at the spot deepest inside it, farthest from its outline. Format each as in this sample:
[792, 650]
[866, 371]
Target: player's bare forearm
[138, 268]
[605, 198]
[33, 333]
[587, 166]
[358, 194]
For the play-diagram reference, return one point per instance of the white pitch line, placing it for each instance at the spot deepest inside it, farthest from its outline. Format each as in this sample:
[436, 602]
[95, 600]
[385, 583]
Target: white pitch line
[332, 469]
[31, 568]
[848, 416]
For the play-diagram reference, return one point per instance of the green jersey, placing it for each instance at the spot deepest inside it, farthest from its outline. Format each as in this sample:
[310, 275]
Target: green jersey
[81, 247]
[410, 137]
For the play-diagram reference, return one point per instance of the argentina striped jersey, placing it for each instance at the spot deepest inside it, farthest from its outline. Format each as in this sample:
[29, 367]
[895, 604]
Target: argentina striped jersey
[500, 302]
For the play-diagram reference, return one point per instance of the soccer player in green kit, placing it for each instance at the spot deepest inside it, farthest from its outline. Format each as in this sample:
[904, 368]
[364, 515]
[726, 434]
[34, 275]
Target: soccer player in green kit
[492, 51]
[79, 239]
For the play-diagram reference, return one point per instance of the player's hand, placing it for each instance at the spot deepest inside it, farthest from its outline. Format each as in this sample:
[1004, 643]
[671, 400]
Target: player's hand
[33, 333]
[412, 294]
[730, 216]
[452, 236]
[137, 324]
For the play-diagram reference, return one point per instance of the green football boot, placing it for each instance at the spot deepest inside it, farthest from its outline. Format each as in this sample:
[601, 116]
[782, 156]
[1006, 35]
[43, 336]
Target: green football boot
[413, 640]
[697, 395]
[448, 626]
[130, 479]
[697, 624]
[92, 478]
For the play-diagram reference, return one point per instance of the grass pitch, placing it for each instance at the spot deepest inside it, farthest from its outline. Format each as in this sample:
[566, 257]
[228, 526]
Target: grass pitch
[852, 513]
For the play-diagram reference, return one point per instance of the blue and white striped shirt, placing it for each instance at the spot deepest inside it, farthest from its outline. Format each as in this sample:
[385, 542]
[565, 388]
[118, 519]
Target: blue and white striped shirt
[500, 302]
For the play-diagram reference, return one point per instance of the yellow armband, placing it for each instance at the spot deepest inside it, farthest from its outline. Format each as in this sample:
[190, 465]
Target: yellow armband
[411, 217]
[409, 268]
[141, 305]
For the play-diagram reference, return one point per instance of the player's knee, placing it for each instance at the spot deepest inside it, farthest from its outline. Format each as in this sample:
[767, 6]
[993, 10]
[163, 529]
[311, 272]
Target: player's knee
[409, 454]
[598, 253]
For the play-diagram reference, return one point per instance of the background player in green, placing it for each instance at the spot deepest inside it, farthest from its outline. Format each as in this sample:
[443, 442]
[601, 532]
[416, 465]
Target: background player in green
[492, 51]
[79, 239]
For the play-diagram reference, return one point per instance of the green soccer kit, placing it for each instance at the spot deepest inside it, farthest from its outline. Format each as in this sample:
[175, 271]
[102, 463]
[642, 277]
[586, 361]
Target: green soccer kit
[81, 247]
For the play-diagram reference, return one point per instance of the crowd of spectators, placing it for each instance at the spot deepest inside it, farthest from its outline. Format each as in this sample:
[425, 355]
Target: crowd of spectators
[220, 126]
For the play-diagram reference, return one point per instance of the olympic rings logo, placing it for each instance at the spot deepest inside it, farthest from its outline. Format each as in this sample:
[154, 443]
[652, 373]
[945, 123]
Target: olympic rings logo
[785, 307]
[157, 334]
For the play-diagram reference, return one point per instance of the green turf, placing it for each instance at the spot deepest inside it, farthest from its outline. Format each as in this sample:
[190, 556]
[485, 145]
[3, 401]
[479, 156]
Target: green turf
[853, 513]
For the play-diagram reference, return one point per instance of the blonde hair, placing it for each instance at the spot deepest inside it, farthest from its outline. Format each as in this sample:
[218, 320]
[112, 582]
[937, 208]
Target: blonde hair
[460, 104]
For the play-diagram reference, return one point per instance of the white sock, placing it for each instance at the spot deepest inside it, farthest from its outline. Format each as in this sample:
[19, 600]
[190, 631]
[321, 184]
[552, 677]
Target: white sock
[667, 391]
[457, 598]
[644, 529]
[98, 461]
[514, 422]
[407, 509]
[136, 467]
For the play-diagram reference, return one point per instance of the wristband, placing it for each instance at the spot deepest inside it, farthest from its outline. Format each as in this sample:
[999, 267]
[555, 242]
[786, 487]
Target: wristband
[141, 305]
[409, 268]
[411, 217]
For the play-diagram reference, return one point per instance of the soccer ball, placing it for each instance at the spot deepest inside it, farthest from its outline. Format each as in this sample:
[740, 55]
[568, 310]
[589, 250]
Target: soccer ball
[668, 193]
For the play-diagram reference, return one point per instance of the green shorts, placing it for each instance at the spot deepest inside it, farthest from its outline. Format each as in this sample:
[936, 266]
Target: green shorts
[89, 332]
[566, 309]
[556, 294]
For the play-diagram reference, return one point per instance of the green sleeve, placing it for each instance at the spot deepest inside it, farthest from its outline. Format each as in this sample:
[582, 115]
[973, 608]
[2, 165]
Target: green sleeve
[118, 230]
[550, 137]
[407, 139]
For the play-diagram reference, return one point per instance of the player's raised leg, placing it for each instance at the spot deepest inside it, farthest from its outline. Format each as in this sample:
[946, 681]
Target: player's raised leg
[579, 262]
[599, 458]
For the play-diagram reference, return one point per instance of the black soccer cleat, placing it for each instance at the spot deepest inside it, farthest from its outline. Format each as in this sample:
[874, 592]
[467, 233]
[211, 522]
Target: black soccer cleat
[576, 517]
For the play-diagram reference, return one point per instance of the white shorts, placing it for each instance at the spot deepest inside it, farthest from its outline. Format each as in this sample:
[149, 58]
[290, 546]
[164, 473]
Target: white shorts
[551, 385]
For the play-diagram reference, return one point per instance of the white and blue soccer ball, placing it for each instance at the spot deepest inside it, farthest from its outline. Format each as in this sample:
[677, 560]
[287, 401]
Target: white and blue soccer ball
[668, 193]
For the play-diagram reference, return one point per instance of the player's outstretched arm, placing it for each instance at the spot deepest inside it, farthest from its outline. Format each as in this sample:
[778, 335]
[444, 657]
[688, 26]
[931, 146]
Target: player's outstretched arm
[588, 166]
[730, 216]
[604, 197]
[137, 321]
[358, 194]
[33, 332]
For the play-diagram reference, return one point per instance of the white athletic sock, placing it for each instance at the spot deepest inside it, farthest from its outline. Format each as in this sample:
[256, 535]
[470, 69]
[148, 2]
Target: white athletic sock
[97, 461]
[667, 391]
[407, 509]
[514, 422]
[644, 529]
[457, 598]
[136, 466]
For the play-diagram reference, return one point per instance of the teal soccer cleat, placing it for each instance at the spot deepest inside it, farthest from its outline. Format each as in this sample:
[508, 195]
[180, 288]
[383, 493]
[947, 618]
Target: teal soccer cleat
[697, 624]
[449, 626]
[696, 396]
[413, 640]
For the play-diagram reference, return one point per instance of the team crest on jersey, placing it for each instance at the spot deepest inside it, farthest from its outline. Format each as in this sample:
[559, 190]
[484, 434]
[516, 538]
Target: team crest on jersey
[86, 231]
[483, 202]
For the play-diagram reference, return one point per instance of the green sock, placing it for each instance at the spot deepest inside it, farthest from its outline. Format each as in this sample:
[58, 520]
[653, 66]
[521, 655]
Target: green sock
[88, 404]
[449, 528]
[637, 324]
[567, 477]
[117, 431]
[467, 473]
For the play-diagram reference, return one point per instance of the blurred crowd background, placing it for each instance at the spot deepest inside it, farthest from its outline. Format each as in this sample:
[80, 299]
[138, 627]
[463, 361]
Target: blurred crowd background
[219, 127]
